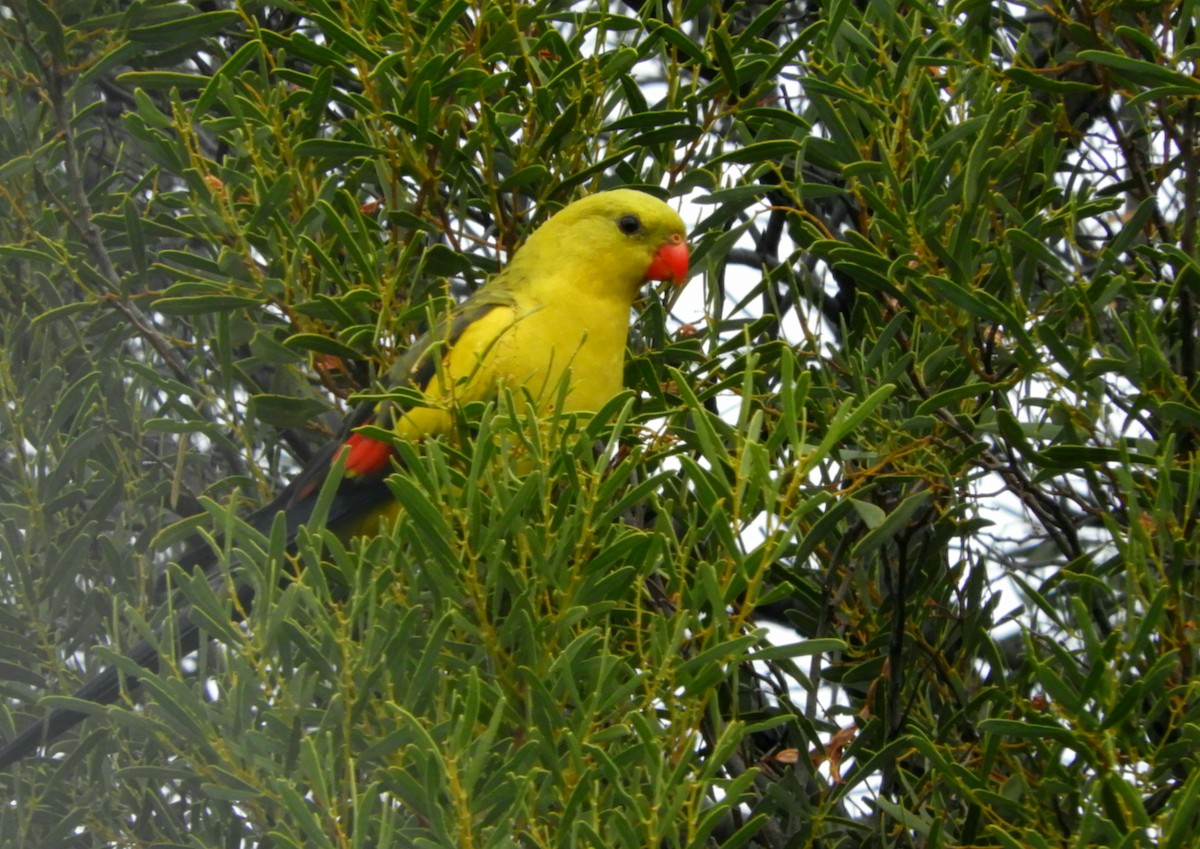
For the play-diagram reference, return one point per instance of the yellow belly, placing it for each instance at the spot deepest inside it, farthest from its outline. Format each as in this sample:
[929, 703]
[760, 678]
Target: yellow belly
[532, 350]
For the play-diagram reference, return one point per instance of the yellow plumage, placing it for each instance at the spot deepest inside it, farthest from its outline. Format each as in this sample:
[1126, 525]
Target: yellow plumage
[562, 303]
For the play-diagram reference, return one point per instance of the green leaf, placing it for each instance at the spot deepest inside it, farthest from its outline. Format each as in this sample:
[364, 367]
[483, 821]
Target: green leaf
[1084, 456]
[46, 20]
[1180, 827]
[895, 522]
[332, 149]
[676, 39]
[804, 648]
[163, 80]
[186, 29]
[949, 399]
[1139, 71]
[1029, 730]
[226, 74]
[1044, 81]
[283, 410]
[759, 152]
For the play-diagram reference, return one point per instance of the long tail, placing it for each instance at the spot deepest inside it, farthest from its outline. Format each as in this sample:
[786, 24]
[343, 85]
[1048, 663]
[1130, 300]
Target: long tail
[350, 504]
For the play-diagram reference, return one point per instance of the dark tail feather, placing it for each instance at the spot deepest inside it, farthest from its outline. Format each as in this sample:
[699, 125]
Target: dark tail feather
[105, 688]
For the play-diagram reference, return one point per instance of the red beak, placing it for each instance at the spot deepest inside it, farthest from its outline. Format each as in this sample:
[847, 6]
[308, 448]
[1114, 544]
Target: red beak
[670, 261]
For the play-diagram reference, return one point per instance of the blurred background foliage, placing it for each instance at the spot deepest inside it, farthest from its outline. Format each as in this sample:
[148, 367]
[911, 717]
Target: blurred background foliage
[893, 542]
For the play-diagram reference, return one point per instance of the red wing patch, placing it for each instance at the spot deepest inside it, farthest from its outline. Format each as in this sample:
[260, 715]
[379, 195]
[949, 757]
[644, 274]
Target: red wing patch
[365, 456]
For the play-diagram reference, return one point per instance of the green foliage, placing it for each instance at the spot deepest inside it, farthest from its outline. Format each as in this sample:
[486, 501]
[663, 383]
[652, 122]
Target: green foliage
[946, 363]
[487, 671]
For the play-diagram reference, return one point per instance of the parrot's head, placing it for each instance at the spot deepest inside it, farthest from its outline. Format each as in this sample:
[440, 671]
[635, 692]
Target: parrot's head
[616, 240]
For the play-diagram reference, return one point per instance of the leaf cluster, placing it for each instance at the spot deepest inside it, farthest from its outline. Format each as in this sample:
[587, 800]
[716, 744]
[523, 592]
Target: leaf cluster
[933, 422]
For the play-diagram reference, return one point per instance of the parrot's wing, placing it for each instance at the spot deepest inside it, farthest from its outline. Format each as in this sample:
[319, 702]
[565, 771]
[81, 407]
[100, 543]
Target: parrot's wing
[414, 369]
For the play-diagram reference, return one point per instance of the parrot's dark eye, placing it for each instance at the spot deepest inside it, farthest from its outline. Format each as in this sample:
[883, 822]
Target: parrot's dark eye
[629, 224]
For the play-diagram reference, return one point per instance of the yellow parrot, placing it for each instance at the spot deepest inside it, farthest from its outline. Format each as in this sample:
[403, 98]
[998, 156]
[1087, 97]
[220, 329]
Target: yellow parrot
[559, 311]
